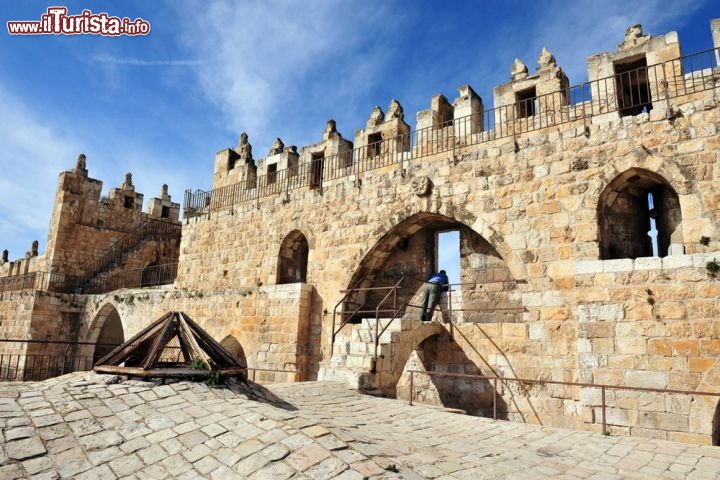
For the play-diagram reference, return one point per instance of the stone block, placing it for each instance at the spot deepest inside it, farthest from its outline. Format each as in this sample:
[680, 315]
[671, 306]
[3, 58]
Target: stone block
[646, 379]
[647, 263]
[537, 331]
[677, 261]
[621, 265]
[586, 267]
[664, 421]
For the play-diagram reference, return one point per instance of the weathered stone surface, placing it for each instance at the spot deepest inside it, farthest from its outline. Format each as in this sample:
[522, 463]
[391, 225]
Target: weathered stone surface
[25, 448]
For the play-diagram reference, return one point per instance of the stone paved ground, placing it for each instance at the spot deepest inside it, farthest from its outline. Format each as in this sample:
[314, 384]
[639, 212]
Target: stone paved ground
[87, 426]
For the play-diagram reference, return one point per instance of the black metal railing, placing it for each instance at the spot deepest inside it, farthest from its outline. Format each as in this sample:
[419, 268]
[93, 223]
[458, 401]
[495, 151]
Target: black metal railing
[61, 283]
[149, 229]
[627, 93]
[20, 360]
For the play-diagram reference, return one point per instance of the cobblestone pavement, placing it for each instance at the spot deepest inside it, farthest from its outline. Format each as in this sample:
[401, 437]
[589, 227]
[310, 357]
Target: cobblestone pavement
[87, 426]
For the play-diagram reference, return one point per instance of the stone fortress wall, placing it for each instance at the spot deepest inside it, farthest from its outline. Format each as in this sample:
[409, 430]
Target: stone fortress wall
[552, 198]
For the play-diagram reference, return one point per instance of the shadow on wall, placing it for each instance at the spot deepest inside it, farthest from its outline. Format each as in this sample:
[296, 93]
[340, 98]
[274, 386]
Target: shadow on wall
[440, 353]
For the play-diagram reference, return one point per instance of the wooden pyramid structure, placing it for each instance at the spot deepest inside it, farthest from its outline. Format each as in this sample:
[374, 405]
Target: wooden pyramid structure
[173, 346]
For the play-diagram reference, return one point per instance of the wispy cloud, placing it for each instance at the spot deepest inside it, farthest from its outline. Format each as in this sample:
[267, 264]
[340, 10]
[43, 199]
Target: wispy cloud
[277, 68]
[141, 62]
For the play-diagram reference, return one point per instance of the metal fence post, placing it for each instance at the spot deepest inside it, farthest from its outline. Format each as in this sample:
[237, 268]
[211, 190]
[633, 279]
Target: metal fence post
[411, 387]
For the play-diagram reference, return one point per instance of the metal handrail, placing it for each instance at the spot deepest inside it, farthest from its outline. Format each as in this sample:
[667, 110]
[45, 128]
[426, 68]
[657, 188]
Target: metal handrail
[601, 386]
[570, 104]
[342, 300]
[393, 291]
[62, 283]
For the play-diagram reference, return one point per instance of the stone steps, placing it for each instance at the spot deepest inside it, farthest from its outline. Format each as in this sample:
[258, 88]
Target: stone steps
[353, 357]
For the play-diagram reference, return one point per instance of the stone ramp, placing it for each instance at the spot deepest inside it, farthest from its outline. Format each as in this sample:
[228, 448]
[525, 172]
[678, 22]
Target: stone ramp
[86, 426]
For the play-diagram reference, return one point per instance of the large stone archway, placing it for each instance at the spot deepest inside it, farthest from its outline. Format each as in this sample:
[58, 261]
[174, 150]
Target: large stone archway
[407, 254]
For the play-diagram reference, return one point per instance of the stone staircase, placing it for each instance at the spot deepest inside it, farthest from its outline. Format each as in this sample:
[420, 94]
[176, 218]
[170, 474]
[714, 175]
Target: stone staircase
[352, 360]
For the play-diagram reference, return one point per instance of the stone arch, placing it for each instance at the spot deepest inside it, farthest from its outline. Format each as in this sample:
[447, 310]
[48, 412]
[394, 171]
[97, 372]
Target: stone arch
[293, 258]
[106, 331]
[634, 203]
[233, 346]
[407, 251]
[432, 349]
[665, 167]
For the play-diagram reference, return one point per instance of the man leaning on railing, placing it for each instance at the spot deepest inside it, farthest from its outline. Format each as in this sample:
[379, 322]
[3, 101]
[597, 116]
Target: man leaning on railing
[434, 286]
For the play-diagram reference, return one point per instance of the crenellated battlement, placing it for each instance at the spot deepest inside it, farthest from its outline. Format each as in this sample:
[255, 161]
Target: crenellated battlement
[645, 75]
[84, 224]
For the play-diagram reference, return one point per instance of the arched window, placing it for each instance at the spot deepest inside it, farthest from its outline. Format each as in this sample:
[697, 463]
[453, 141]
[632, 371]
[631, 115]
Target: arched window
[111, 333]
[232, 345]
[638, 216]
[293, 258]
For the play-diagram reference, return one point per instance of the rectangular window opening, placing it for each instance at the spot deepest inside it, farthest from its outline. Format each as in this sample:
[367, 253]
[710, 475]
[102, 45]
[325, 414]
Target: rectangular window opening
[632, 86]
[374, 144]
[525, 102]
[129, 202]
[447, 254]
[271, 173]
[317, 165]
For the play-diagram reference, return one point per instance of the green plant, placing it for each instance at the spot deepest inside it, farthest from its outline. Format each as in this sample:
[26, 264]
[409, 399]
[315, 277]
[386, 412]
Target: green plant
[215, 378]
[704, 240]
[712, 267]
[197, 364]
[392, 468]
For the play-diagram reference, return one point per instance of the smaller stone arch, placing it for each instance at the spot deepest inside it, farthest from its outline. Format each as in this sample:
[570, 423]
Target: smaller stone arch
[293, 258]
[716, 426]
[233, 346]
[639, 215]
[106, 331]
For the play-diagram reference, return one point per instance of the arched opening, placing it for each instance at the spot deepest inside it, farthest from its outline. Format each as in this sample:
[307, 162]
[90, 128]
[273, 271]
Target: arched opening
[232, 345]
[111, 332]
[638, 216]
[440, 354]
[410, 252]
[293, 258]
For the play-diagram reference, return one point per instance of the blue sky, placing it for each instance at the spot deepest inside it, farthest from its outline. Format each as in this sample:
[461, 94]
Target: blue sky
[161, 105]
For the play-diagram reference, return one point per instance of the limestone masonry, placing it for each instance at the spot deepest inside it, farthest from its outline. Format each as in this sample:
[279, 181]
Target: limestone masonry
[588, 219]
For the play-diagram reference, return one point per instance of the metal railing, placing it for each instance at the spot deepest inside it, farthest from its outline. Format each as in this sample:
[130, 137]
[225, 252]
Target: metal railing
[347, 317]
[57, 282]
[627, 93]
[526, 381]
[149, 229]
[397, 311]
[61, 357]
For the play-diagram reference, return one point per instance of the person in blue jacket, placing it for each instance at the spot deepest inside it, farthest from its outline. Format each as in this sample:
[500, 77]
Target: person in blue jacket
[435, 285]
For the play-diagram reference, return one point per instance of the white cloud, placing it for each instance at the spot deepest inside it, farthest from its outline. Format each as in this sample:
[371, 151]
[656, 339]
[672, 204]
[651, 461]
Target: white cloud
[33, 156]
[271, 65]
